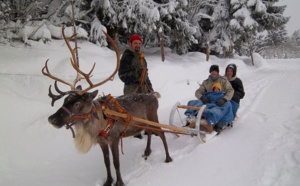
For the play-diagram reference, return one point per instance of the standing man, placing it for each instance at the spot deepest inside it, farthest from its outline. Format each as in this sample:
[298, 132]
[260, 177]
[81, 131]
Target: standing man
[133, 68]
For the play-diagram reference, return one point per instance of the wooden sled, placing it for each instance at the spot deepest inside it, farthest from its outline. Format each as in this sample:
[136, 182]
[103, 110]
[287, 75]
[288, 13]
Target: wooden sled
[166, 128]
[180, 122]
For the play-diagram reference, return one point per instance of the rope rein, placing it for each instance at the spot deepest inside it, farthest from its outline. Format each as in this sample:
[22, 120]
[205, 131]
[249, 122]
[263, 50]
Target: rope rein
[143, 83]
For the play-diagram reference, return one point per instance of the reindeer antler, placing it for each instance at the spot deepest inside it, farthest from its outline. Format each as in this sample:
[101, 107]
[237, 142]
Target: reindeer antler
[57, 97]
[46, 72]
[87, 76]
[81, 74]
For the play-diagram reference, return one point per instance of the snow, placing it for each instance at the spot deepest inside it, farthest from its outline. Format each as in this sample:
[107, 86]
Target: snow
[45, 32]
[260, 7]
[261, 149]
[154, 15]
[56, 32]
[245, 14]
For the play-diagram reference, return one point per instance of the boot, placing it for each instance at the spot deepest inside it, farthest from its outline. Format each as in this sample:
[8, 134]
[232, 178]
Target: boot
[192, 125]
[218, 129]
[206, 127]
[190, 121]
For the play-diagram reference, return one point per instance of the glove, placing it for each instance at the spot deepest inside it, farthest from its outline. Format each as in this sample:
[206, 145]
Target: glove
[204, 99]
[221, 102]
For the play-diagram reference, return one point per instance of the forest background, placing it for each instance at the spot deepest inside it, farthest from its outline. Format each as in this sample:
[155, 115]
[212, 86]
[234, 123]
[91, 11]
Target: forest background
[228, 27]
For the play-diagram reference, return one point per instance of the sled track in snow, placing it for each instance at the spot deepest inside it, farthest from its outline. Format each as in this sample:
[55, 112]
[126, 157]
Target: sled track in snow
[256, 86]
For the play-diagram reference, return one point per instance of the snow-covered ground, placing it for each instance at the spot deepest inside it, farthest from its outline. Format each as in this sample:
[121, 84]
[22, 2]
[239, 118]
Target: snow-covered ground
[262, 149]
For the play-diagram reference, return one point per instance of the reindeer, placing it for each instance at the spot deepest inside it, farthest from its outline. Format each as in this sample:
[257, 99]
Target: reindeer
[93, 125]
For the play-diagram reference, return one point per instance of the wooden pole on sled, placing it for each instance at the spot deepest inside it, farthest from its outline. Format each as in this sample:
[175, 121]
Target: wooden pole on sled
[169, 127]
[188, 107]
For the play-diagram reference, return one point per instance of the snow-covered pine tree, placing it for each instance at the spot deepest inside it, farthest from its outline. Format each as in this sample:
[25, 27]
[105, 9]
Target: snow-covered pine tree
[199, 15]
[295, 38]
[177, 26]
[185, 23]
[15, 14]
[259, 16]
[146, 18]
[272, 23]
[276, 37]
[243, 24]
[272, 18]
[5, 30]
[221, 32]
[125, 17]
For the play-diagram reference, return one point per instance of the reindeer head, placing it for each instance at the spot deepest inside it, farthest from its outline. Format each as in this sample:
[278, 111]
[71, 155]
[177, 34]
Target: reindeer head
[74, 105]
[78, 101]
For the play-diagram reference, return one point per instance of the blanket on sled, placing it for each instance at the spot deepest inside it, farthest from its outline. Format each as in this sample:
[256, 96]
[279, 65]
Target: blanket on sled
[213, 113]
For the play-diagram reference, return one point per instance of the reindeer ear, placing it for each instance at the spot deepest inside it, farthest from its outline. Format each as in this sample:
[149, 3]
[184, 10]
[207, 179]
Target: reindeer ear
[94, 94]
[90, 96]
[78, 87]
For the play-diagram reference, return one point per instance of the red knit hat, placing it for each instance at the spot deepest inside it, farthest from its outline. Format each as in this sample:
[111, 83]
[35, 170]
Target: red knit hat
[135, 37]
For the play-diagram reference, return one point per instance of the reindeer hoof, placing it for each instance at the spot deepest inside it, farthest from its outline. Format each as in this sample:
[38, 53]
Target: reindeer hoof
[147, 153]
[145, 157]
[119, 183]
[168, 160]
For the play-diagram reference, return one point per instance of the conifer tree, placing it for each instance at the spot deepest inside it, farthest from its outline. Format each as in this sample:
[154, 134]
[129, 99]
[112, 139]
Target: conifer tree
[146, 18]
[296, 37]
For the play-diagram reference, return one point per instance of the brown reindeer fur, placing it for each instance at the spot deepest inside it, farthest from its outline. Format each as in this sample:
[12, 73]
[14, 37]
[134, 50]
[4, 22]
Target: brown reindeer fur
[138, 105]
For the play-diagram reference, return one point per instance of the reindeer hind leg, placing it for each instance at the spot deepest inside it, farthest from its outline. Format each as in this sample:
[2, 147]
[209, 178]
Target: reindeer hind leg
[162, 137]
[164, 140]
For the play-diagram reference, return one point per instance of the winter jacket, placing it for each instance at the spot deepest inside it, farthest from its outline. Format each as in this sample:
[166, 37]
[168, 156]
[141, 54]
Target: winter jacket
[238, 88]
[130, 72]
[207, 84]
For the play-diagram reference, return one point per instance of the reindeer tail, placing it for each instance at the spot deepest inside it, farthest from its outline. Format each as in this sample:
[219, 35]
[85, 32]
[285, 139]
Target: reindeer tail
[156, 94]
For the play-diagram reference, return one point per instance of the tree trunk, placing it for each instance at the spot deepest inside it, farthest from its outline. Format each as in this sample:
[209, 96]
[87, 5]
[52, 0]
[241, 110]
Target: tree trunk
[207, 52]
[208, 46]
[162, 49]
[251, 55]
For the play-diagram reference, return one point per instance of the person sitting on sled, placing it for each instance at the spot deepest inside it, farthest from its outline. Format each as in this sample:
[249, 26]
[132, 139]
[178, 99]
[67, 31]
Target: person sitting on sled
[237, 85]
[218, 111]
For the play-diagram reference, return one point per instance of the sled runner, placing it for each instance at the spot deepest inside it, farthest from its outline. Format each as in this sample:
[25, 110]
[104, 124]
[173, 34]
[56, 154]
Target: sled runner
[200, 123]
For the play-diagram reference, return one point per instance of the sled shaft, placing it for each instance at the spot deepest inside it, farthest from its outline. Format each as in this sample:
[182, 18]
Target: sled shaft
[188, 107]
[173, 128]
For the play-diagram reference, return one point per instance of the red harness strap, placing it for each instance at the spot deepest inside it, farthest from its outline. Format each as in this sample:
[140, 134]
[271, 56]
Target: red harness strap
[120, 109]
[110, 118]
[110, 121]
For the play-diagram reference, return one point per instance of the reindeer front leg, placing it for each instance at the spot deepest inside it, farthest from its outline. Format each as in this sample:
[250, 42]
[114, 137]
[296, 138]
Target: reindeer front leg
[105, 151]
[116, 160]
[148, 147]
